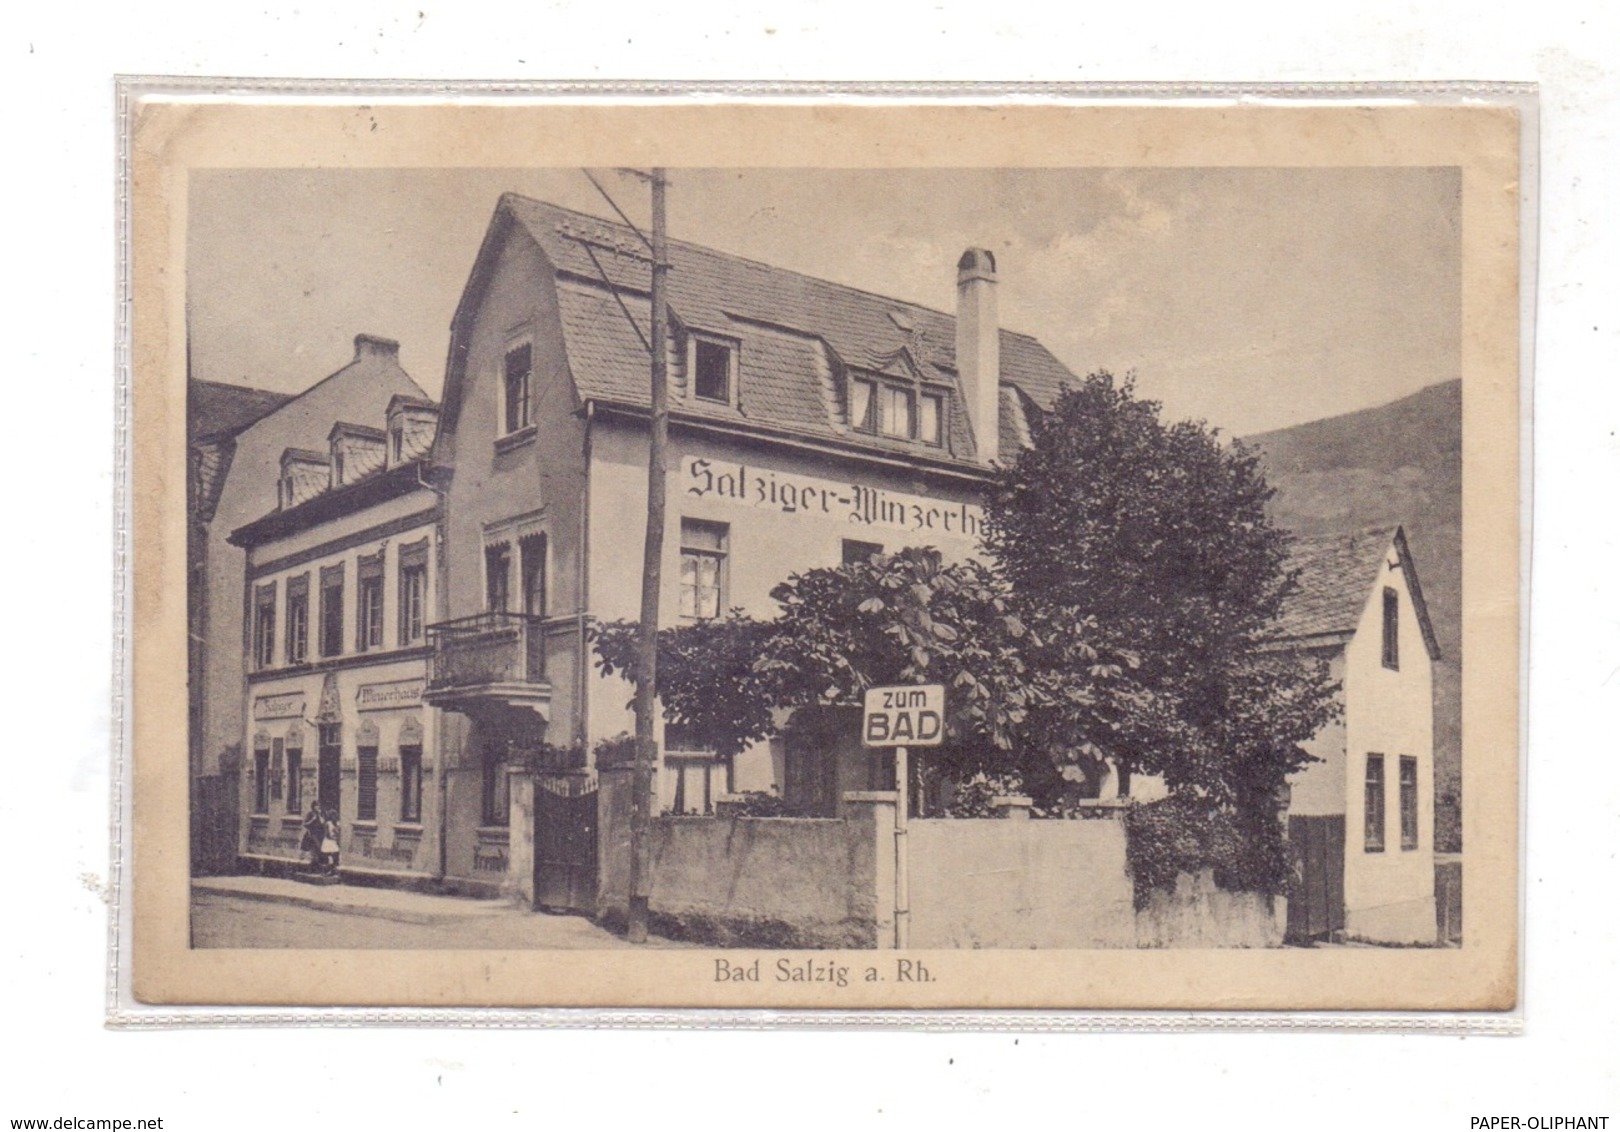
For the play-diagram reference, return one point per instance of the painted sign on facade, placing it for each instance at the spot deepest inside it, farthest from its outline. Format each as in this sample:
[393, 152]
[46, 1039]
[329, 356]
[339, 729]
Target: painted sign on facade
[745, 485]
[282, 705]
[392, 694]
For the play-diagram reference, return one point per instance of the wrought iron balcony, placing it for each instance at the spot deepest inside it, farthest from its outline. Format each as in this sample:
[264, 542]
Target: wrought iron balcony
[498, 657]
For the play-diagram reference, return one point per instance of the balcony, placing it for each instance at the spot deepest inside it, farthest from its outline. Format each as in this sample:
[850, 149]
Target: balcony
[488, 661]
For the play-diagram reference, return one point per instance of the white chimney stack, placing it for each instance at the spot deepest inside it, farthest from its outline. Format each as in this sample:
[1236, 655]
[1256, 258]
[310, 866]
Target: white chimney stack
[978, 348]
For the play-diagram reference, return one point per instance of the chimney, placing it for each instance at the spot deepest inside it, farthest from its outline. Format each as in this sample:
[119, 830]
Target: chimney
[371, 346]
[978, 348]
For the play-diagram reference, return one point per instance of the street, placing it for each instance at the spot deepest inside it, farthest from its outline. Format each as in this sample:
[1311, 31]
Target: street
[250, 912]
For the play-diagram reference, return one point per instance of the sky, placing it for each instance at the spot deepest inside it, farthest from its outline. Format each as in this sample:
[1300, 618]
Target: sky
[1249, 298]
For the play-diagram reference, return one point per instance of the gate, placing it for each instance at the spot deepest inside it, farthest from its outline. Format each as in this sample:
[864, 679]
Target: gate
[1316, 886]
[565, 842]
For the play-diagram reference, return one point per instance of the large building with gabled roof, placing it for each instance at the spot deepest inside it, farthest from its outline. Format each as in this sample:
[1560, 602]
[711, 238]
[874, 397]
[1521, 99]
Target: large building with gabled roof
[809, 422]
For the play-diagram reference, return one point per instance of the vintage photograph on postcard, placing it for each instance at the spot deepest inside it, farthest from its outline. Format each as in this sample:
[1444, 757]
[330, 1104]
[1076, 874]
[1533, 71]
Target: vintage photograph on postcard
[869, 556]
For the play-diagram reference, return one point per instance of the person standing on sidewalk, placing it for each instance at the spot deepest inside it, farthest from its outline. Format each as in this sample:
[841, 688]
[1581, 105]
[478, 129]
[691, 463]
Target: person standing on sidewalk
[329, 843]
[314, 834]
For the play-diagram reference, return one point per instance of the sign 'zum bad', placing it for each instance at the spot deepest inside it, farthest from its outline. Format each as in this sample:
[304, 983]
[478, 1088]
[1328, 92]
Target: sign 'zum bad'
[909, 716]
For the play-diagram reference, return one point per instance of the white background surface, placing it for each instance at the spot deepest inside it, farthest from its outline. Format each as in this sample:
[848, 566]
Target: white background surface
[58, 465]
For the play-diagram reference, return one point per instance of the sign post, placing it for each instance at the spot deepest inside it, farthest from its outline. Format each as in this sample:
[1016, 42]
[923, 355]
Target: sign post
[911, 715]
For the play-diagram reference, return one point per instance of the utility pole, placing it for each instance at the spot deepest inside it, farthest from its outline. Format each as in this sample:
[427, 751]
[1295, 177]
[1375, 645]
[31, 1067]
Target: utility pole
[651, 581]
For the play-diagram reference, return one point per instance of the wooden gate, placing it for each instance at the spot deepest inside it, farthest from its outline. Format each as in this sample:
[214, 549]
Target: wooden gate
[1316, 886]
[565, 842]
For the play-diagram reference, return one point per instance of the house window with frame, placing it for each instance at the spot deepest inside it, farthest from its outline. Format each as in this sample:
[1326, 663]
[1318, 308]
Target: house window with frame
[711, 370]
[412, 592]
[298, 619]
[264, 625]
[1373, 802]
[860, 405]
[497, 577]
[278, 769]
[516, 386]
[930, 418]
[332, 610]
[369, 607]
[858, 553]
[703, 568]
[1409, 802]
[532, 570]
[693, 776]
[1392, 629]
[894, 412]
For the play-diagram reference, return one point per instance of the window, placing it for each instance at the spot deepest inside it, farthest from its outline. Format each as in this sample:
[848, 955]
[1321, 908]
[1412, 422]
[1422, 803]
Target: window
[518, 371]
[332, 610]
[703, 568]
[396, 440]
[711, 370]
[894, 412]
[412, 591]
[264, 626]
[931, 412]
[497, 809]
[295, 772]
[857, 552]
[369, 612]
[860, 406]
[298, 619]
[1392, 629]
[278, 769]
[532, 564]
[410, 783]
[261, 779]
[284, 492]
[497, 577]
[1409, 803]
[692, 776]
[366, 784]
[1374, 803]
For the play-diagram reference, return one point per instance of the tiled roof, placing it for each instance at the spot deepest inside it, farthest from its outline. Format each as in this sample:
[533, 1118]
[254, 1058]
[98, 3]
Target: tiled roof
[1336, 577]
[216, 409]
[793, 331]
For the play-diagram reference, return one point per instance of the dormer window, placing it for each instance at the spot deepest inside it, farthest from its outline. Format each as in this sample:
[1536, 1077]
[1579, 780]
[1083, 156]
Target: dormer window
[896, 411]
[516, 389]
[930, 418]
[712, 365]
[396, 444]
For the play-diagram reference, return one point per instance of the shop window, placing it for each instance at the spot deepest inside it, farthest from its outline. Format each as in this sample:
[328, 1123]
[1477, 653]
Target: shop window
[1373, 802]
[369, 608]
[1409, 802]
[278, 770]
[332, 610]
[1392, 629]
[295, 772]
[703, 568]
[532, 565]
[264, 626]
[261, 775]
[497, 577]
[711, 370]
[516, 388]
[366, 782]
[497, 800]
[412, 592]
[410, 783]
[298, 619]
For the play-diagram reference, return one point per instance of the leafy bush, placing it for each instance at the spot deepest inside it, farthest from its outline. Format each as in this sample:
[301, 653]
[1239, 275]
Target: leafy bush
[761, 804]
[1184, 834]
[972, 798]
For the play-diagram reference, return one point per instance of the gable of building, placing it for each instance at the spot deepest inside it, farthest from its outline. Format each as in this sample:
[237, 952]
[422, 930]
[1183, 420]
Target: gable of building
[1337, 575]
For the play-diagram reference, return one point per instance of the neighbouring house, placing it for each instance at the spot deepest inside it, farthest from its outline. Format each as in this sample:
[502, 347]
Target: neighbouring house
[1361, 820]
[811, 423]
[236, 439]
[339, 588]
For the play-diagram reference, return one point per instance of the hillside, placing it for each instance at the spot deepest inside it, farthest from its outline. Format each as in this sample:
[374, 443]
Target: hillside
[1396, 463]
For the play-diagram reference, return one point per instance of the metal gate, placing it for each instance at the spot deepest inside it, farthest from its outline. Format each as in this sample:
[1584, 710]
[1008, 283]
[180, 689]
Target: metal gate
[1316, 887]
[565, 842]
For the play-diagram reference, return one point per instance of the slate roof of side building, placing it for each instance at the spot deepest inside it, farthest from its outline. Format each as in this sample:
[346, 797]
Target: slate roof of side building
[217, 410]
[795, 333]
[1336, 574]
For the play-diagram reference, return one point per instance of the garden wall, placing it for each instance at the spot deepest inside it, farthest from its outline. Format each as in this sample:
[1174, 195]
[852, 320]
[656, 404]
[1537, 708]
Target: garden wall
[988, 883]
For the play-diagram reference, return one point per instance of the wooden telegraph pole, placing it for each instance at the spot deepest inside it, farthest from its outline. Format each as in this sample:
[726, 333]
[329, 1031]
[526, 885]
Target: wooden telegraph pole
[651, 582]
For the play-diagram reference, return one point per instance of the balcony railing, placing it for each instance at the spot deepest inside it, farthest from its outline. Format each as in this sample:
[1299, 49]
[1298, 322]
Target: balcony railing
[486, 649]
